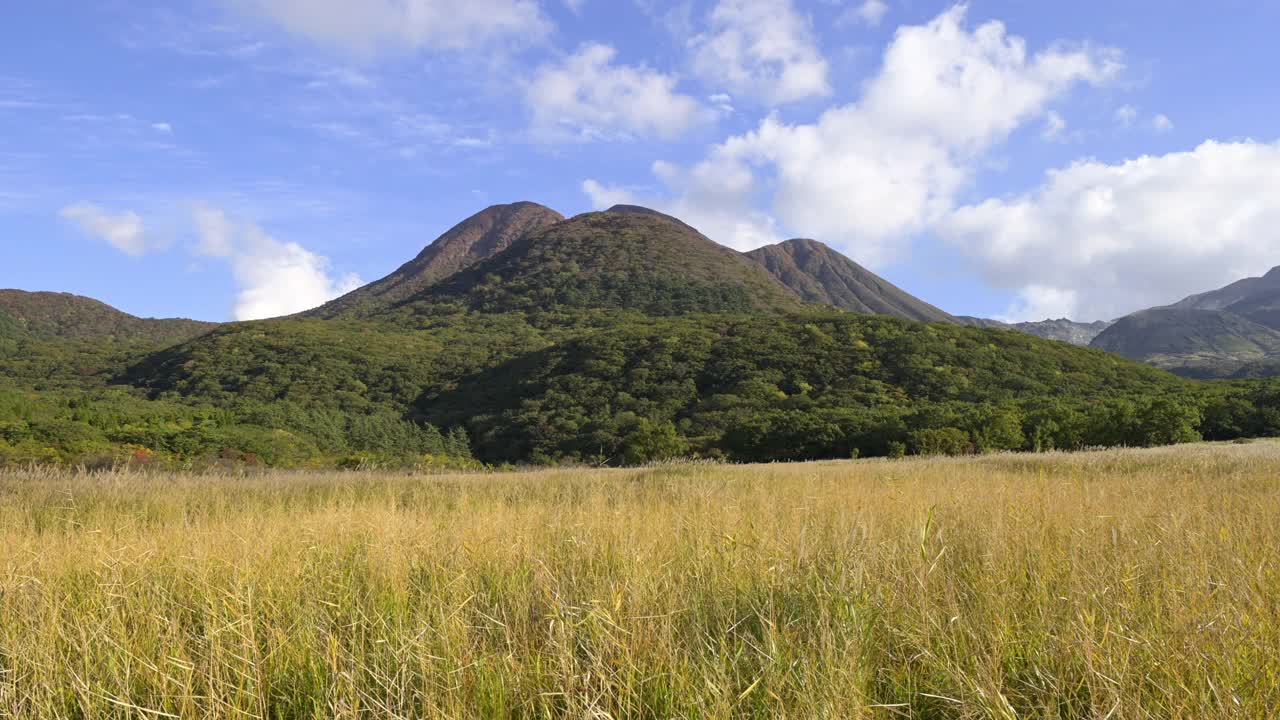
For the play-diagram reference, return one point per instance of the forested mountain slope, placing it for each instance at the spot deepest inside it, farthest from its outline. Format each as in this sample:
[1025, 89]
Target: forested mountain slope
[49, 315]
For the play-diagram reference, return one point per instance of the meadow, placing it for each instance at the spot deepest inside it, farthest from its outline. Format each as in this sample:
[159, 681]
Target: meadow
[1116, 584]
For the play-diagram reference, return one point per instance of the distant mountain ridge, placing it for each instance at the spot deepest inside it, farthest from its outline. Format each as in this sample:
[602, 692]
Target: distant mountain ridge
[54, 315]
[1062, 329]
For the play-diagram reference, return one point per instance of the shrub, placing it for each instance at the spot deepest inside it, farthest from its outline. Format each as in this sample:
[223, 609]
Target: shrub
[941, 441]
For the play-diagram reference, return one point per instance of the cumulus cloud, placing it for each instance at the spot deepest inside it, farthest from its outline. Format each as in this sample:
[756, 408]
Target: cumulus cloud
[763, 49]
[124, 231]
[275, 277]
[370, 26]
[1162, 123]
[1097, 241]
[589, 97]
[868, 175]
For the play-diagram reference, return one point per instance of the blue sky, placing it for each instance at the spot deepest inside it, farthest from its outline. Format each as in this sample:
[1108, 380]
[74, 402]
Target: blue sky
[245, 158]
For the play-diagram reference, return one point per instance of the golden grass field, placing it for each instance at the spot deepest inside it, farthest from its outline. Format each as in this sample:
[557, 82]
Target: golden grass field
[1126, 584]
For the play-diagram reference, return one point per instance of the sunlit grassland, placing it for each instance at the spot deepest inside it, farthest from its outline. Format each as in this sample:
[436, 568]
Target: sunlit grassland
[1121, 584]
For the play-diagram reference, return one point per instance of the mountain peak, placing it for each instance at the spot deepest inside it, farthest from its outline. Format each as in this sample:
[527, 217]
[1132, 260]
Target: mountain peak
[818, 273]
[480, 236]
[636, 210]
[639, 260]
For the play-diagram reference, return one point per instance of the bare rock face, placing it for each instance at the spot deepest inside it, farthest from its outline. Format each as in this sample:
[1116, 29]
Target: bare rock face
[821, 275]
[477, 238]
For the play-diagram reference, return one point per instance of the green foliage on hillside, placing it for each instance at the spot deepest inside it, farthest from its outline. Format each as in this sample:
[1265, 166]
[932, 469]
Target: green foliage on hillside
[116, 426]
[66, 402]
[595, 385]
[804, 387]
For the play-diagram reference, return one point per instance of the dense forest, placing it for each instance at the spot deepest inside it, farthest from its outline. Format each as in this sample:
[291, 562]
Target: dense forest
[611, 387]
[613, 338]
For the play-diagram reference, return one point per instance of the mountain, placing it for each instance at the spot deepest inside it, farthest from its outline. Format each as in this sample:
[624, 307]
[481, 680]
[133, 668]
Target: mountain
[1196, 342]
[480, 236]
[62, 316]
[819, 274]
[1232, 331]
[1257, 299]
[1063, 330]
[615, 337]
[624, 258]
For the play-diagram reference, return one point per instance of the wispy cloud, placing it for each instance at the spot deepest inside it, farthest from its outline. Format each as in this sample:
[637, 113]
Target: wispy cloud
[124, 230]
[377, 27]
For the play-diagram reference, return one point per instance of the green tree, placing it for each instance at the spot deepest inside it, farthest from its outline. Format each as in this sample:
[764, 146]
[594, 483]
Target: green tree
[652, 442]
[941, 441]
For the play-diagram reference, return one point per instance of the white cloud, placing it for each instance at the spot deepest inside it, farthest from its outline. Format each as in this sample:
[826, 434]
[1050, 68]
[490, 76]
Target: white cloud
[1054, 125]
[162, 127]
[1097, 241]
[275, 277]
[123, 231]
[868, 175]
[763, 49]
[604, 196]
[1127, 116]
[1037, 302]
[371, 26]
[868, 12]
[589, 97]
[722, 102]
[215, 232]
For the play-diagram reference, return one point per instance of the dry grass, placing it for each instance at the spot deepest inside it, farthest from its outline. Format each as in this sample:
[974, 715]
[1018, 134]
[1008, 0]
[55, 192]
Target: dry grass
[1119, 584]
